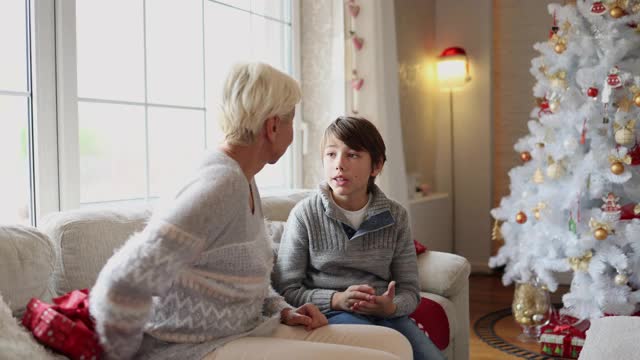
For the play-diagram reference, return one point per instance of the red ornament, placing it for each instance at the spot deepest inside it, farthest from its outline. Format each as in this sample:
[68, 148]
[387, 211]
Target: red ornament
[598, 8]
[635, 155]
[628, 212]
[592, 92]
[521, 217]
[613, 79]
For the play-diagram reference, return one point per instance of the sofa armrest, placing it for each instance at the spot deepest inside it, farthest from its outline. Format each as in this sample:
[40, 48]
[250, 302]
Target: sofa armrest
[443, 273]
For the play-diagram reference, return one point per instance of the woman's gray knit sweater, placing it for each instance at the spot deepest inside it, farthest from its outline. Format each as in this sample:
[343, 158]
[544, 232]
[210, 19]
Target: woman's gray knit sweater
[197, 277]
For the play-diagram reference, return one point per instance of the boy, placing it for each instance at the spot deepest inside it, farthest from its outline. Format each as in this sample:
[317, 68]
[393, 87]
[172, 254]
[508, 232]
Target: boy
[348, 248]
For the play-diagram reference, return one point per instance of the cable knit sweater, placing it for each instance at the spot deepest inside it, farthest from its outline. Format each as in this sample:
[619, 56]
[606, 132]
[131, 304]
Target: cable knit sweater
[196, 277]
[321, 254]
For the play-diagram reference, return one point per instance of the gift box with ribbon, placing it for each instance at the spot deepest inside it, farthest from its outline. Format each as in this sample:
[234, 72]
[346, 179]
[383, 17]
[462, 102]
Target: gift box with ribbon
[563, 336]
[66, 326]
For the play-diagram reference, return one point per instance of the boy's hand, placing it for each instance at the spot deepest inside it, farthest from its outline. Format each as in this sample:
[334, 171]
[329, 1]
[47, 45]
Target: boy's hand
[307, 315]
[354, 294]
[382, 306]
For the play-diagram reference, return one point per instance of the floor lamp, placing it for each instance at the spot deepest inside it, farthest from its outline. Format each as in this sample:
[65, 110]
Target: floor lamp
[453, 74]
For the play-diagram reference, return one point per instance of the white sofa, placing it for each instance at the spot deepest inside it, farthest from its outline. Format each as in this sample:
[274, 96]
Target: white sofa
[69, 249]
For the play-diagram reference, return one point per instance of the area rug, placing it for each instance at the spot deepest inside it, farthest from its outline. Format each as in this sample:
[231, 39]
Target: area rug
[485, 330]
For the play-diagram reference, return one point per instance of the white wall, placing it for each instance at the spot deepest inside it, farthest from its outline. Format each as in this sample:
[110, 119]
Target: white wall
[468, 23]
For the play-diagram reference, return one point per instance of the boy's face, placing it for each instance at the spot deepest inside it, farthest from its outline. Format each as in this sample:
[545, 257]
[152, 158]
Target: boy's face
[346, 170]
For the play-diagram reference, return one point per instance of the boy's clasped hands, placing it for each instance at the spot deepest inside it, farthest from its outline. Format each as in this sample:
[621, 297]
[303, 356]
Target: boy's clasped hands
[362, 299]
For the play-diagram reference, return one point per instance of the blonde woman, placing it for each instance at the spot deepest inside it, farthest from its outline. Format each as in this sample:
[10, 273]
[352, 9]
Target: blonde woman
[195, 282]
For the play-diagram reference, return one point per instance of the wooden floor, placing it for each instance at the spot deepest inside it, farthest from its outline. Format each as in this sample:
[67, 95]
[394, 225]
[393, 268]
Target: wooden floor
[487, 294]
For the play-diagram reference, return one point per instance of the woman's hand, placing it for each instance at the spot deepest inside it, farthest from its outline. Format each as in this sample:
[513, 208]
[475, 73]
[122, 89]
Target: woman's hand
[354, 294]
[307, 315]
[381, 306]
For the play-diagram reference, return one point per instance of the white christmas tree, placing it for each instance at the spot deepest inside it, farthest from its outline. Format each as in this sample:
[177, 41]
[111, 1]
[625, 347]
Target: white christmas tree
[572, 205]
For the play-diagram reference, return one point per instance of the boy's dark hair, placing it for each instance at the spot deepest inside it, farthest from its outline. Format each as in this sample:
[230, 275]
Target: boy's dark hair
[361, 135]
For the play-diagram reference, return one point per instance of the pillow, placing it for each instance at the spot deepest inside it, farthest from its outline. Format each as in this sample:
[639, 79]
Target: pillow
[612, 337]
[419, 247]
[432, 319]
[16, 342]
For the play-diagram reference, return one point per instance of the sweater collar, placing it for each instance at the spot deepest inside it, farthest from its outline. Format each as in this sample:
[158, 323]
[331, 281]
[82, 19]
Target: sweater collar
[379, 203]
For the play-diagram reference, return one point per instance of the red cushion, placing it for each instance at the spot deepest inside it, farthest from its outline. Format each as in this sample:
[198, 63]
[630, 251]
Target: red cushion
[419, 247]
[431, 318]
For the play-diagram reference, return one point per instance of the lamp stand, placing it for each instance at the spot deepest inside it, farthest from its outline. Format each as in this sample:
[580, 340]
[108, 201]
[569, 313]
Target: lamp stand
[452, 174]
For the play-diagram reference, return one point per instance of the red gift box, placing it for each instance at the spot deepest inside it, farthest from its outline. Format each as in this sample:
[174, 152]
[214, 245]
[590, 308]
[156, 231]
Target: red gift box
[65, 327]
[563, 336]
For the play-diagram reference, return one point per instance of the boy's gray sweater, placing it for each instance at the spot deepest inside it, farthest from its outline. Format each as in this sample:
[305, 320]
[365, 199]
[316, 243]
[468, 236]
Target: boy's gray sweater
[320, 255]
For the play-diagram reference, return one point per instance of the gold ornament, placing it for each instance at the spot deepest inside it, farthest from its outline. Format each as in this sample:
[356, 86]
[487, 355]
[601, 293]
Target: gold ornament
[636, 99]
[560, 48]
[538, 209]
[617, 163]
[559, 79]
[621, 279]
[521, 217]
[530, 305]
[554, 105]
[538, 178]
[496, 234]
[616, 12]
[624, 134]
[581, 263]
[617, 167]
[525, 156]
[600, 234]
[600, 230]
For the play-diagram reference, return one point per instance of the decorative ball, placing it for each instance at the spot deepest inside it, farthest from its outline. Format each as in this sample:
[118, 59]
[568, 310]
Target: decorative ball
[521, 217]
[560, 48]
[616, 12]
[617, 167]
[621, 279]
[525, 156]
[554, 106]
[598, 8]
[625, 136]
[537, 318]
[636, 99]
[600, 234]
[592, 92]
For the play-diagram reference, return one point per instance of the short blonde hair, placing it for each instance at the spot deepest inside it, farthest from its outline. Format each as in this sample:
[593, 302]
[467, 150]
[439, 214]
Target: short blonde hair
[254, 92]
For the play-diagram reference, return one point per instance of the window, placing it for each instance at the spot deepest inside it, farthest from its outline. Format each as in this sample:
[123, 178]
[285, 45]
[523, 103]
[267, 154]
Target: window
[126, 104]
[148, 88]
[15, 114]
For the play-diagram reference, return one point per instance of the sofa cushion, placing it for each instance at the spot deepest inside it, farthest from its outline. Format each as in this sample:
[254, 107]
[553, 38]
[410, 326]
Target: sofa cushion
[16, 342]
[86, 239]
[27, 258]
[278, 205]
